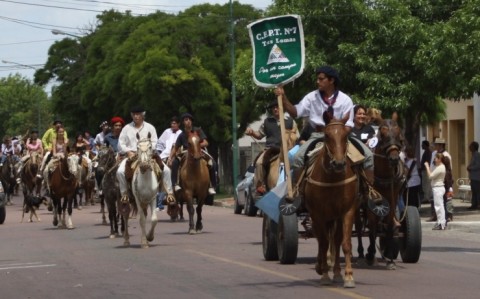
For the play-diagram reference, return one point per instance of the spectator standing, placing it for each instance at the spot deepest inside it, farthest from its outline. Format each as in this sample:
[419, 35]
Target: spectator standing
[473, 169]
[437, 178]
[413, 179]
[426, 157]
[361, 130]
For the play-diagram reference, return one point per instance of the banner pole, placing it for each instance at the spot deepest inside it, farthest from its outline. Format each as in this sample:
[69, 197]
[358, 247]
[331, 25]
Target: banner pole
[284, 148]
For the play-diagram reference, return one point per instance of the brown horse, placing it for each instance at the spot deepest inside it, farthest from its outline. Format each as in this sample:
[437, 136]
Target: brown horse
[31, 185]
[330, 197]
[8, 173]
[389, 181]
[62, 182]
[194, 180]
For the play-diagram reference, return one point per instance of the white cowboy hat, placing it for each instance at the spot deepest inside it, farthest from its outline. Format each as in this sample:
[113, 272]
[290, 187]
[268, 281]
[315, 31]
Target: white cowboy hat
[439, 140]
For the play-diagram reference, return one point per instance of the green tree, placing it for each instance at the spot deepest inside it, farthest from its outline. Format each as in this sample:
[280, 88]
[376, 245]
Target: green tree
[23, 106]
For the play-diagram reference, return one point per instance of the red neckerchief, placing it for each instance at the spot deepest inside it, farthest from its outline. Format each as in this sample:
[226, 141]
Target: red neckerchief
[328, 101]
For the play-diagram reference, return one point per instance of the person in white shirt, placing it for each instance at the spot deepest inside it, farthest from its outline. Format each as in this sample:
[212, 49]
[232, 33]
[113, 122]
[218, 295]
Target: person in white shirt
[127, 146]
[100, 138]
[437, 177]
[168, 138]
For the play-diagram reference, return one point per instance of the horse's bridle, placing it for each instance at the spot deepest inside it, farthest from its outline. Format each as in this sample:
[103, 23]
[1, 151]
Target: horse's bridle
[328, 150]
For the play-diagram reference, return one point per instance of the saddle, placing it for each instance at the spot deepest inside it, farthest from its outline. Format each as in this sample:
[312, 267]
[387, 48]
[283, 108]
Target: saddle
[132, 164]
[269, 156]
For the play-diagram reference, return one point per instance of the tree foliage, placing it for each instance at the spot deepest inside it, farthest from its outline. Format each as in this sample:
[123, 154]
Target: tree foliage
[23, 106]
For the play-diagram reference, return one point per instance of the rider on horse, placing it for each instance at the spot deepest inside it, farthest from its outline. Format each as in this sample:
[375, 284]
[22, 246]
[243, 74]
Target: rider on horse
[270, 129]
[111, 139]
[182, 141]
[47, 141]
[326, 100]
[127, 145]
[9, 148]
[33, 145]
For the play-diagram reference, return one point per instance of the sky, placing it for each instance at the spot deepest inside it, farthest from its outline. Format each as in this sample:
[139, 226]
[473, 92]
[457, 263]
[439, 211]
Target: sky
[26, 25]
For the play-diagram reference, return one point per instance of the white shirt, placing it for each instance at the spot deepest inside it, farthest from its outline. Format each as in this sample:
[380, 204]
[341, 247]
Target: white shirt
[313, 106]
[127, 141]
[100, 139]
[166, 141]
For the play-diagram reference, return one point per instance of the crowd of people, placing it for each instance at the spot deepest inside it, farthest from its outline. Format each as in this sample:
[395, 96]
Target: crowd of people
[121, 137]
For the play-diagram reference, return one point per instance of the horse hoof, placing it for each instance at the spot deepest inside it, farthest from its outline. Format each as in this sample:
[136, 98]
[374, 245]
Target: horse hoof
[149, 238]
[55, 222]
[192, 232]
[145, 246]
[361, 262]
[104, 222]
[338, 278]
[126, 244]
[198, 231]
[349, 284]
[391, 266]
[325, 281]
[112, 236]
[79, 208]
[70, 227]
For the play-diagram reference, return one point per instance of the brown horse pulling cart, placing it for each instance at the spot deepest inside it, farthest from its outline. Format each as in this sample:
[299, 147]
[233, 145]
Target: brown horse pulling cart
[332, 202]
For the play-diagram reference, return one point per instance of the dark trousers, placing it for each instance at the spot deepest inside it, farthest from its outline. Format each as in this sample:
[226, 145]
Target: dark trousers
[413, 196]
[475, 186]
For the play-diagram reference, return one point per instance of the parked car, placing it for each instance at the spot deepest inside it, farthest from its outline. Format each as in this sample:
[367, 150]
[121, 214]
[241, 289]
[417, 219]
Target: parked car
[244, 193]
[3, 202]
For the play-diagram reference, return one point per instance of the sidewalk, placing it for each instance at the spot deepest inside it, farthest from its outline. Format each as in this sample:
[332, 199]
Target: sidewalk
[461, 216]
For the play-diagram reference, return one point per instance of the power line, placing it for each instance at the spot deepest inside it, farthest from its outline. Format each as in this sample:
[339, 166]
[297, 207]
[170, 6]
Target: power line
[25, 22]
[28, 42]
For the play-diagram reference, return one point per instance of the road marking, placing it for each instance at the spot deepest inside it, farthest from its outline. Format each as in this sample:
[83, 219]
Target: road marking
[282, 275]
[25, 266]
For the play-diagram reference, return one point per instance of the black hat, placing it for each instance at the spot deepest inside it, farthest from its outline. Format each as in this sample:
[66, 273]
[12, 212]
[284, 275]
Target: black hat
[185, 115]
[57, 121]
[272, 104]
[137, 109]
[329, 71]
[33, 131]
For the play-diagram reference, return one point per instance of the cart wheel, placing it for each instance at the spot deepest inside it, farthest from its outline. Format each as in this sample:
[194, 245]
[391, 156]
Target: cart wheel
[411, 242]
[250, 208]
[269, 239]
[287, 238]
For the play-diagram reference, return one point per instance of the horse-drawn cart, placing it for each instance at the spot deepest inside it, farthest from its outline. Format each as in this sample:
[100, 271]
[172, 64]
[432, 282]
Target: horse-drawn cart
[280, 240]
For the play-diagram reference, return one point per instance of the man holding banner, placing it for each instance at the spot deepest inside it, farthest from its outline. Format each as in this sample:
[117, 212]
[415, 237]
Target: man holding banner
[326, 99]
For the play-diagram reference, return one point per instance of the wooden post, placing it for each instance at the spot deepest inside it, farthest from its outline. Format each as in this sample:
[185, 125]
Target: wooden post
[284, 148]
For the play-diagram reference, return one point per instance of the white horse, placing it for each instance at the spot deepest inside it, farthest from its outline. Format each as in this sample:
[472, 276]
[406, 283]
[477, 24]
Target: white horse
[145, 186]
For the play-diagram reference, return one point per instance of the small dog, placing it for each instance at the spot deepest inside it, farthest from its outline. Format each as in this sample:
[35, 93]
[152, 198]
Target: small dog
[32, 203]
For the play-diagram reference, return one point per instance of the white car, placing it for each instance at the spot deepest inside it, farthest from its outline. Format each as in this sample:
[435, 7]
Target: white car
[244, 199]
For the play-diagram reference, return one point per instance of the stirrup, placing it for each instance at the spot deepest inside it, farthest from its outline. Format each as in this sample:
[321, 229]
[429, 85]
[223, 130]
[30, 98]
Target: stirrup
[177, 188]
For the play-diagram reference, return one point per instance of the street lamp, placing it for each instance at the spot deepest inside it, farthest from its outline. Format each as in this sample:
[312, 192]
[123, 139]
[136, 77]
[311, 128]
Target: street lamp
[60, 32]
[234, 100]
[38, 100]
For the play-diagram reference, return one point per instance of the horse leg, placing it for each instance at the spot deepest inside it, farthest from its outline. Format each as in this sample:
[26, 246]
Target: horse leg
[199, 225]
[153, 219]
[191, 213]
[142, 220]
[360, 249]
[69, 202]
[124, 209]
[112, 219]
[390, 248]
[181, 212]
[322, 266]
[102, 210]
[346, 242]
[53, 200]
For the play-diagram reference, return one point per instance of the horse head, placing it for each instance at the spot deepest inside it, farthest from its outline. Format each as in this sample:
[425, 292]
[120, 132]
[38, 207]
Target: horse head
[73, 166]
[335, 143]
[104, 159]
[144, 153]
[194, 149]
[390, 140]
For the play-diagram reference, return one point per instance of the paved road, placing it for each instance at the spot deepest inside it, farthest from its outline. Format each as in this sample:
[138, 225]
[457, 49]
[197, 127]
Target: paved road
[40, 261]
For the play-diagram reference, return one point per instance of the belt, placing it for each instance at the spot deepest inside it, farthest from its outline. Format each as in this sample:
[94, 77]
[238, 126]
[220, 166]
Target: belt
[319, 129]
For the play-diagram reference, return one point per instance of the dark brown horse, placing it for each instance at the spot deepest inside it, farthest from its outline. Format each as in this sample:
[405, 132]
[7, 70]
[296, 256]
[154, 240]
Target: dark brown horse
[194, 180]
[31, 185]
[106, 170]
[330, 197]
[389, 181]
[62, 182]
[8, 173]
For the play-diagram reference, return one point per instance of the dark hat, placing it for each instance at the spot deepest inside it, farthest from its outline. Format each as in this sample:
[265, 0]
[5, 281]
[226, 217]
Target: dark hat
[117, 119]
[57, 121]
[272, 104]
[34, 131]
[329, 71]
[137, 109]
[185, 115]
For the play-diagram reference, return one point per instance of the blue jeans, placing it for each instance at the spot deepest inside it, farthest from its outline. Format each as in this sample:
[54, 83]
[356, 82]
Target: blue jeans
[160, 198]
